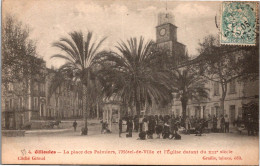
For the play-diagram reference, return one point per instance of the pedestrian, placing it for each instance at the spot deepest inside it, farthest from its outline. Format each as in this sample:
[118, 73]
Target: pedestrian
[250, 126]
[127, 126]
[177, 136]
[226, 124]
[219, 124]
[166, 130]
[140, 124]
[151, 127]
[136, 123]
[159, 126]
[222, 126]
[130, 127]
[120, 126]
[75, 125]
[198, 128]
[172, 127]
[187, 125]
[215, 123]
[182, 120]
[192, 121]
[210, 122]
[102, 126]
[145, 125]
[239, 120]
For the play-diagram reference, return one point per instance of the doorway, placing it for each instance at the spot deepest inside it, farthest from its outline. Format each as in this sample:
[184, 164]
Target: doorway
[42, 110]
[232, 113]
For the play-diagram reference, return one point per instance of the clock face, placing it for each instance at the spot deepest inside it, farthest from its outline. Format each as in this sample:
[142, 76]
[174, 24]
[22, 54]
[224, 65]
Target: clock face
[162, 32]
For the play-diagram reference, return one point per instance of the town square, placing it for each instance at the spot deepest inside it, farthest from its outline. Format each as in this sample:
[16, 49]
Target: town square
[115, 82]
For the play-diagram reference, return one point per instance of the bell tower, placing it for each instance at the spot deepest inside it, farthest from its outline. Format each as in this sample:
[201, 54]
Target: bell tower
[166, 36]
[165, 30]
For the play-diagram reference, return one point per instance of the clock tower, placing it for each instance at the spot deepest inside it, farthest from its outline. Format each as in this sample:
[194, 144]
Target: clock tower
[166, 31]
[166, 37]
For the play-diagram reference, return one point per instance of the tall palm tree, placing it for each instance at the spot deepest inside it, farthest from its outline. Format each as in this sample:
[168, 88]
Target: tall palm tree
[80, 55]
[188, 85]
[132, 74]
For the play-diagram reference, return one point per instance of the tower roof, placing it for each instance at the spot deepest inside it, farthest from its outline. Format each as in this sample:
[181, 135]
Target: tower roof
[165, 17]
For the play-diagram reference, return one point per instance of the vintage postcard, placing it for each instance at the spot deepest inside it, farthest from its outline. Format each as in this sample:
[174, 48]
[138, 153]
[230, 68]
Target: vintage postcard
[144, 82]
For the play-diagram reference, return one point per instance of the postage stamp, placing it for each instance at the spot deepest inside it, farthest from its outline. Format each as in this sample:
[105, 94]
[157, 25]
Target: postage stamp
[238, 23]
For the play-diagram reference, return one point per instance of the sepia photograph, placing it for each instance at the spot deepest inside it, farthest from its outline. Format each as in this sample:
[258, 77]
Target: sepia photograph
[143, 82]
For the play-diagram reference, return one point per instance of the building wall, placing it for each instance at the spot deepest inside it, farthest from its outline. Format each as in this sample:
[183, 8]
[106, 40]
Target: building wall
[18, 100]
[244, 93]
[65, 102]
[21, 103]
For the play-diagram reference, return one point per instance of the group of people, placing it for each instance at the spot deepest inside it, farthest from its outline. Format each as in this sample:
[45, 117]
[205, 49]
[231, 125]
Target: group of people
[163, 126]
[167, 126]
[212, 123]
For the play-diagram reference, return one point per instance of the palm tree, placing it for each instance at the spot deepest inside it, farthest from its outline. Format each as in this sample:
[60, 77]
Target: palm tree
[188, 85]
[81, 57]
[132, 74]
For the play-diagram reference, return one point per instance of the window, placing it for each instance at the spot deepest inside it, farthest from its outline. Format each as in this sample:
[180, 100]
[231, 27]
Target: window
[216, 88]
[218, 111]
[232, 87]
[42, 87]
[57, 102]
[232, 113]
[10, 86]
[213, 112]
[35, 87]
[177, 112]
[35, 104]
[11, 103]
[7, 104]
[197, 111]
[20, 102]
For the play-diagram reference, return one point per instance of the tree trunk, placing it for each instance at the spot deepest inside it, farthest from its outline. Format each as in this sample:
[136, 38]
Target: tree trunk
[97, 111]
[14, 120]
[85, 110]
[223, 97]
[184, 107]
[138, 108]
[222, 106]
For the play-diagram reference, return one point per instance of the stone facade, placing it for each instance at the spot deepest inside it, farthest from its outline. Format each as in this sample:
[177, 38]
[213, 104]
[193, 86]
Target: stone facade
[65, 102]
[28, 100]
[238, 93]
[24, 99]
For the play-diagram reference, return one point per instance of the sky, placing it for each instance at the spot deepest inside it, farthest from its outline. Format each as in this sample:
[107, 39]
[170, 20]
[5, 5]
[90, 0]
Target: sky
[49, 20]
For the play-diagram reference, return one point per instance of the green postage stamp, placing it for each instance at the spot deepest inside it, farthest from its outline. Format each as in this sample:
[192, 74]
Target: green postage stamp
[238, 23]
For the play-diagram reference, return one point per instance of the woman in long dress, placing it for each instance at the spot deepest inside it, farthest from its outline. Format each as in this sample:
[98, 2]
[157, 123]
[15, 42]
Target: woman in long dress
[145, 125]
[187, 125]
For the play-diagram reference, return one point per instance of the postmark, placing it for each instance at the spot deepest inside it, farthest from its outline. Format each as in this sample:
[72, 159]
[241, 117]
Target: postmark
[238, 23]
